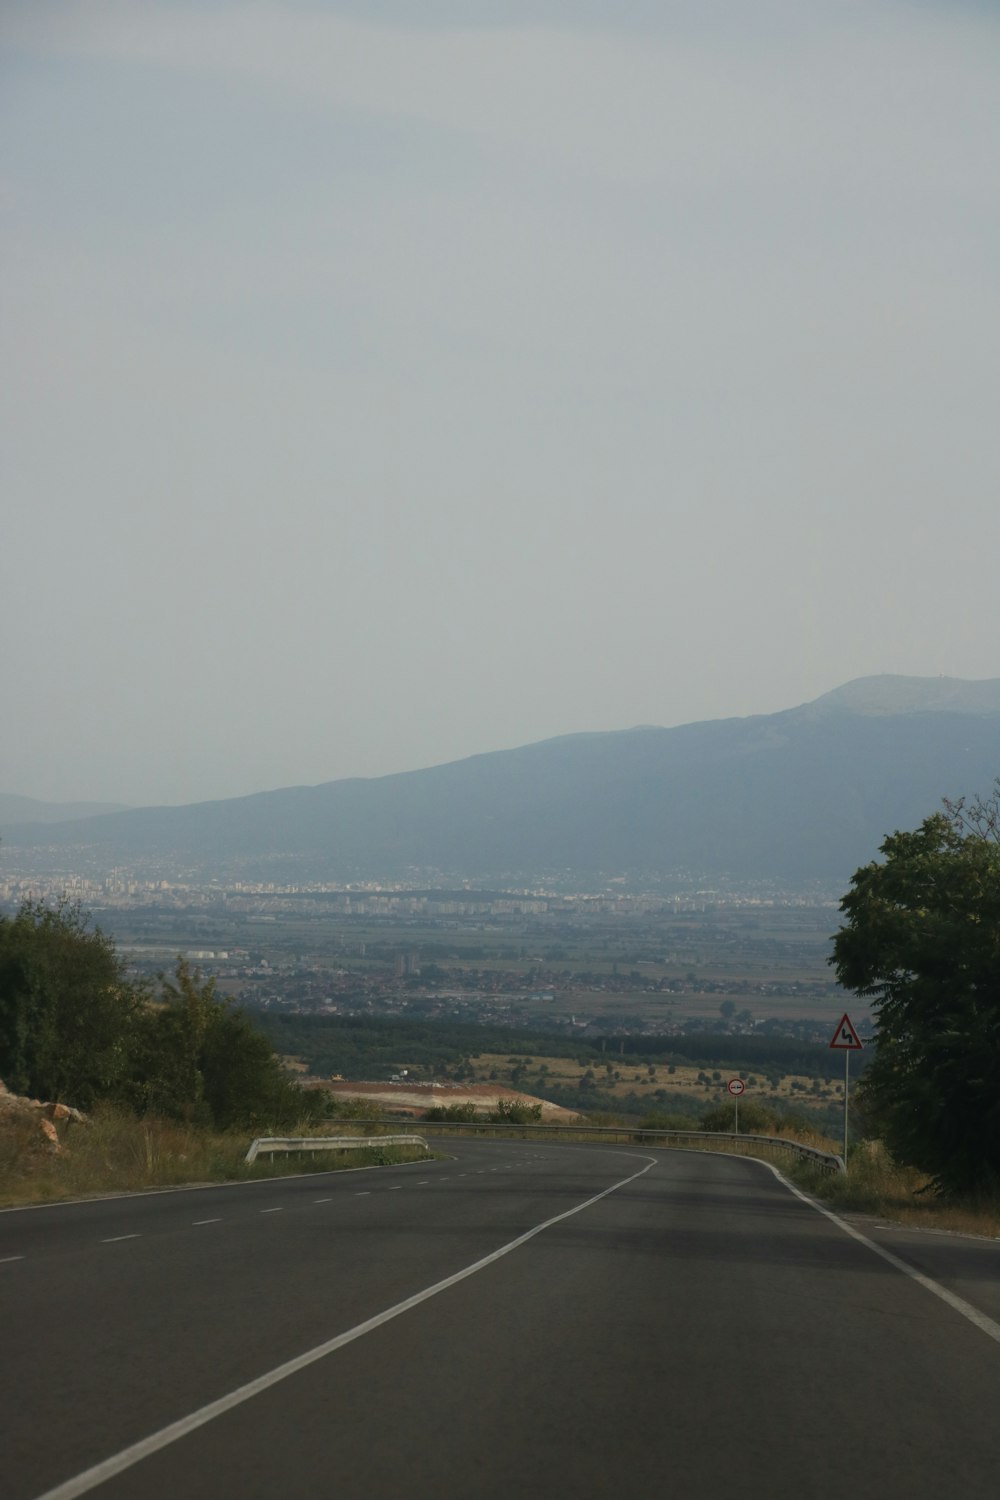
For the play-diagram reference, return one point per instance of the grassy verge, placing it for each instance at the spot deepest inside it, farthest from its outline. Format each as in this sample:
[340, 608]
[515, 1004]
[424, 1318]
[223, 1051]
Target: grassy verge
[874, 1184]
[115, 1153]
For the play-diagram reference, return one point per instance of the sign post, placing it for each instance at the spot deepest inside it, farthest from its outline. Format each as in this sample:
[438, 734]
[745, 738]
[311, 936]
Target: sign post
[736, 1087]
[846, 1040]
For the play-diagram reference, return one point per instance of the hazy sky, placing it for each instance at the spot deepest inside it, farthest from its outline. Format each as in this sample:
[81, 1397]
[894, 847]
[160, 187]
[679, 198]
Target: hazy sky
[388, 382]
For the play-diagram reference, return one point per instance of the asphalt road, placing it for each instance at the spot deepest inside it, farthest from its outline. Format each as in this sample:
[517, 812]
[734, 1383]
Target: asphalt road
[695, 1331]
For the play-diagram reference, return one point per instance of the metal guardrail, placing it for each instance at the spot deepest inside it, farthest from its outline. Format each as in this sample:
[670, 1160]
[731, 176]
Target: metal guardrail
[268, 1145]
[625, 1134]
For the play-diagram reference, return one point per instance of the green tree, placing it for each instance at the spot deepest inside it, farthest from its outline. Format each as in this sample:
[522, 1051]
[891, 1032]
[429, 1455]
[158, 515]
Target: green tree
[205, 1062]
[68, 1012]
[921, 940]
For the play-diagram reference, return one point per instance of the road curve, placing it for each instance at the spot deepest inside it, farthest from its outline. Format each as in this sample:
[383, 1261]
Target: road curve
[570, 1319]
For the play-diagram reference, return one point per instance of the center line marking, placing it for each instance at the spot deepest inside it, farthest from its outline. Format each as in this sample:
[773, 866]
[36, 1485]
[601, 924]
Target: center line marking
[272, 1210]
[7, 1258]
[362, 1195]
[322, 1200]
[196, 1222]
[116, 1237]
[119, 1462]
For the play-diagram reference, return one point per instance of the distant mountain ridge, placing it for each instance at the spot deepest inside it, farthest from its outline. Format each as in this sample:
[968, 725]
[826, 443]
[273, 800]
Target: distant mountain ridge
[15, 809]
[889, 694]
[808, 793]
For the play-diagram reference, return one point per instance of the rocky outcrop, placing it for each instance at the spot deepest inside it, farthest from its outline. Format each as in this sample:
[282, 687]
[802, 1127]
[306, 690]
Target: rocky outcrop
[48, 1114]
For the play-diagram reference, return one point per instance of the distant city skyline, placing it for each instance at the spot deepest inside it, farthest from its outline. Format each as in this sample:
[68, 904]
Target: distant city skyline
[389, 384]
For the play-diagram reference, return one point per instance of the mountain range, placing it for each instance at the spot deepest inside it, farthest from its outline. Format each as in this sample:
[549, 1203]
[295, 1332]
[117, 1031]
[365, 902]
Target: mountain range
[15, 809]
[805, 794]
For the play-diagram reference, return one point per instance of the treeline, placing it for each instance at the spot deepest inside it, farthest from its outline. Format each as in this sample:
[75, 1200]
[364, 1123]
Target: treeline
[763, 1054]
[75, 1027]
[374, 1047]
[670, 1109]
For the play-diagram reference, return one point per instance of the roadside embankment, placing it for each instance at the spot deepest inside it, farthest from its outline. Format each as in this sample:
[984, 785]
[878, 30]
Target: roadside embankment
[874, 1184]
[113, 1152]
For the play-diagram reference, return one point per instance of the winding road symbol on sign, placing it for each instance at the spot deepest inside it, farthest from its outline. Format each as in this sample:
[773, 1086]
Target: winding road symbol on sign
[736, 1087]
[846, 1038]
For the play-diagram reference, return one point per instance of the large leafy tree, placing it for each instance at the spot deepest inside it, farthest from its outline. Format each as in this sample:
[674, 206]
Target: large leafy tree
[67, 1007]
[202, 1060]
[921, 939]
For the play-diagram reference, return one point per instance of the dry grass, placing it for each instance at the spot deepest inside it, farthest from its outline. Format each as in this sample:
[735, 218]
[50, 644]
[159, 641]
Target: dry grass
[115, 1153]
[875, 1184]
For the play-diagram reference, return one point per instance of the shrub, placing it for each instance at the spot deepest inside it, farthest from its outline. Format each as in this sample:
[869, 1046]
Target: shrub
[467, 1112]
[754, 1118]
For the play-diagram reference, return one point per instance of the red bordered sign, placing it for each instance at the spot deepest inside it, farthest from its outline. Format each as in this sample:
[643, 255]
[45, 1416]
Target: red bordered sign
[736, 1087]
[845, 1038]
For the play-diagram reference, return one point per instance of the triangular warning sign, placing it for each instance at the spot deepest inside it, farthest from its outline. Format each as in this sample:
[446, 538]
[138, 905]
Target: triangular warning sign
[845, 1037]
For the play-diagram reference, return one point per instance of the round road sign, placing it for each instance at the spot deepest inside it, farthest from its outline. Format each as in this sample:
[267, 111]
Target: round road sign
[736, 1087]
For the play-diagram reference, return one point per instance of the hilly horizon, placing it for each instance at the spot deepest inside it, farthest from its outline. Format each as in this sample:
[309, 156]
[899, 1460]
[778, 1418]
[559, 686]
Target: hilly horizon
[806, 793]
[17, 809]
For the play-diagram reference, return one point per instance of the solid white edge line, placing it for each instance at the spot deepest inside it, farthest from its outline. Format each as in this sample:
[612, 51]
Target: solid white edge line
[981, 1320]
[119, 1462]
[958, 1304]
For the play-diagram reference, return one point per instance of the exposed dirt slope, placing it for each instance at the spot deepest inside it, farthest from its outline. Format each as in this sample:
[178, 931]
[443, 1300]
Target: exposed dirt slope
[415, 1098]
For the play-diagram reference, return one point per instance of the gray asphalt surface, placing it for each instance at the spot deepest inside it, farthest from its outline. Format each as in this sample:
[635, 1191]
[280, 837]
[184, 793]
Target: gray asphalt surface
[698, 1332]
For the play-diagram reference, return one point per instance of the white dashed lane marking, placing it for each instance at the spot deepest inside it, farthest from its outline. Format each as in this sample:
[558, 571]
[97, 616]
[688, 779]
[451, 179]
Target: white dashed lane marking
[116, 1239]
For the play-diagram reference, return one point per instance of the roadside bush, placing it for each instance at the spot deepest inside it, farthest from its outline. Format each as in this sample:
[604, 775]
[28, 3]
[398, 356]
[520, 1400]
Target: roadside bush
[351, 1109]
[514, 1112]
[754, 1118]
[461, 1112]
